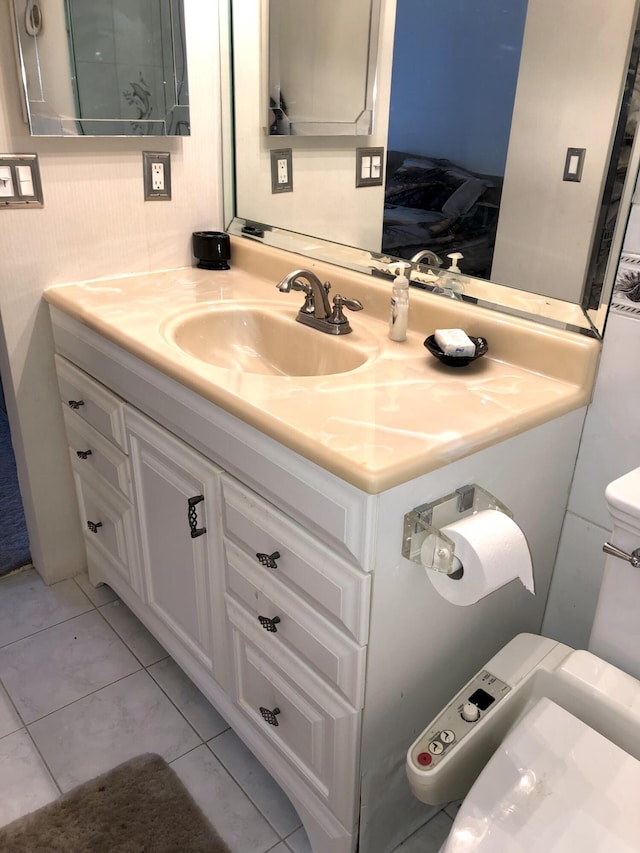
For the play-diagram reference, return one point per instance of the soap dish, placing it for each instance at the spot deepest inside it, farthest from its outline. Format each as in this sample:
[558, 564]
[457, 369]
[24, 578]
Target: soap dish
[482, 347]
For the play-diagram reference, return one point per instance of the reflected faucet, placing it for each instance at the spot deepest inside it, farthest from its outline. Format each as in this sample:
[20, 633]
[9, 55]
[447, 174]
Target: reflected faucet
[316, 311]
[432, 258]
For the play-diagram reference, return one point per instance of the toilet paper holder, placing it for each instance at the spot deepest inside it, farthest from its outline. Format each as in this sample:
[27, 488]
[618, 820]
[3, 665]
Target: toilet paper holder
[423, 541]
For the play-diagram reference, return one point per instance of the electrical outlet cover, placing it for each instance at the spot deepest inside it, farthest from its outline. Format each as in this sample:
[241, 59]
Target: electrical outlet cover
[157, 175]
[282, 170]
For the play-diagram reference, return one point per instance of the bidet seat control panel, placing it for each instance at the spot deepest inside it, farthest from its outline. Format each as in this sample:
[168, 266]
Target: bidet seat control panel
[479, 698]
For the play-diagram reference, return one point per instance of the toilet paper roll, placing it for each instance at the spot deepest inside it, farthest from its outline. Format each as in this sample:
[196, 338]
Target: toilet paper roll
[493, 551]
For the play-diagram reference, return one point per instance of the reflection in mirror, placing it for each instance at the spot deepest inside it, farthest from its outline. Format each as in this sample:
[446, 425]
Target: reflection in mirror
[510, 210]
[321, 63]
[103, 67]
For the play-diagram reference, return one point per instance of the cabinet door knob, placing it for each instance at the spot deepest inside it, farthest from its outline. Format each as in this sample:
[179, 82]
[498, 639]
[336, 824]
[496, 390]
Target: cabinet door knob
[83, 454]
[94, 525]
[192, 515]
[75, 404]
[269, 560]
[269, 624]
[270, 716]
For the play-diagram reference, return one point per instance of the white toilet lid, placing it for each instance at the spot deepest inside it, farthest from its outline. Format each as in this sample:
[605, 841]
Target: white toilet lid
[554, 785]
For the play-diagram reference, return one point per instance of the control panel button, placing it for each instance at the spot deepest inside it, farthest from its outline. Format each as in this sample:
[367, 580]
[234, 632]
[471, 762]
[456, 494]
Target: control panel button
[436, 747]
[447, 736]
[424, 759]
[470, 712]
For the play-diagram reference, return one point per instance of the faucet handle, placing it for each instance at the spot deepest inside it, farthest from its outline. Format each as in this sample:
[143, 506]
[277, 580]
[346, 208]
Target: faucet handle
[339, 302]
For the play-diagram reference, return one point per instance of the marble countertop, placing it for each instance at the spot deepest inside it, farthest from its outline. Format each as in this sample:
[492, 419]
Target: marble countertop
[399, 415]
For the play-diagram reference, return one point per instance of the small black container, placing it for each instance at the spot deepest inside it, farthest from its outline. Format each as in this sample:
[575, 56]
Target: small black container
[212, 248]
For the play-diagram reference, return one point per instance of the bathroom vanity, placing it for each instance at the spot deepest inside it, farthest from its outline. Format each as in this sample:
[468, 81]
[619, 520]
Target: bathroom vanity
[254, 521]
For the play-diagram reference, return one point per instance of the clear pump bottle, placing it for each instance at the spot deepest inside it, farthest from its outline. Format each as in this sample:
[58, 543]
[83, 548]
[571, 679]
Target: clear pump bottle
[399, 313]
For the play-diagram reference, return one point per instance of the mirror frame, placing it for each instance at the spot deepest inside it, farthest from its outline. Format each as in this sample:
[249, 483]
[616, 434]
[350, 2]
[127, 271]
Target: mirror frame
[362, 123]
[176, 116]
[556, 313]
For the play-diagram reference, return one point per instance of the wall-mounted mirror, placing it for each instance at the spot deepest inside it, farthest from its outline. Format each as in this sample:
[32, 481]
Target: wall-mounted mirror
[321, 61]
[463, 175]
[103, 67]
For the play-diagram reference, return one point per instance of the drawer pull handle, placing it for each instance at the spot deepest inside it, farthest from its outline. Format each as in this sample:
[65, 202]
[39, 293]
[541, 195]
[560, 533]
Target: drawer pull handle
[83, 454]
[269, 624]
[270, 716]
[94, 525]
[193, 516]
[269, 560]
[75, 404]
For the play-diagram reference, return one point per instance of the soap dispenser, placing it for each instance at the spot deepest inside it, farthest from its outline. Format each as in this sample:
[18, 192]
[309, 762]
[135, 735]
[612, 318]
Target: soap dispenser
[454, 284]
[399, 313]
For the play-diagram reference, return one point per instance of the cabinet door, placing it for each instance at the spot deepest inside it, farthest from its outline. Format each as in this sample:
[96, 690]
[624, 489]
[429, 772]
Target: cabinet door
[177, 501]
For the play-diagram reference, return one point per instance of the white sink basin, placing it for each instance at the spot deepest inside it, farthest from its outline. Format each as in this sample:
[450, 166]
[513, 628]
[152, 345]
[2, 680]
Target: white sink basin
[264, 339]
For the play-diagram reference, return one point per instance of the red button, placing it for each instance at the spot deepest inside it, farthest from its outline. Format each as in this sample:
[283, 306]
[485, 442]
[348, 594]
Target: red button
[425, 759]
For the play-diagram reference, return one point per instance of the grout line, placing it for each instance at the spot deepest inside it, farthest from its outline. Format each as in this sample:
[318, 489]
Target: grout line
[247, 794]
[44, 761]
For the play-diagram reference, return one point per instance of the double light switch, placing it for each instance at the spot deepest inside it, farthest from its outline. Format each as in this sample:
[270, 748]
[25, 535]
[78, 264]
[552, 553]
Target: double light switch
[20, 184]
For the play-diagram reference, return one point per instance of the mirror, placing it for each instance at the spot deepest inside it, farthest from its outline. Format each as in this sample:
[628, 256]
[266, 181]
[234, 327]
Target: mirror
[555, 246]
[103, 67]
[321, 59]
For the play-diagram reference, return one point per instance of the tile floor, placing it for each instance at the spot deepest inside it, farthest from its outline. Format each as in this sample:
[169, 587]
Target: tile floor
[84, 686]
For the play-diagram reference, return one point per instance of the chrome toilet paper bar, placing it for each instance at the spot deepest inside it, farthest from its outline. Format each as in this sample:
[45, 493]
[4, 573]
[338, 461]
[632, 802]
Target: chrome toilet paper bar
[423, 541]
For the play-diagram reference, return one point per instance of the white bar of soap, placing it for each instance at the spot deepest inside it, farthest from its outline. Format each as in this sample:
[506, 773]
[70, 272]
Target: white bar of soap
[455, 342]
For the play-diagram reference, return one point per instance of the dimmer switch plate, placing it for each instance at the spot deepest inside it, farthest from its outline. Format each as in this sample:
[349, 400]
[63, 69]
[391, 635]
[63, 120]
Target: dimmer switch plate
[157, 175]
[369, 167]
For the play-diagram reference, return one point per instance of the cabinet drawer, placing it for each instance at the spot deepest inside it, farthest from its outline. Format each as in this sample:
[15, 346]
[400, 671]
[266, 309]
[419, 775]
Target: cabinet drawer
[89, 449]
[108, 524]
[327, 581]
[316, 731]
[308, 634]
[91, 401]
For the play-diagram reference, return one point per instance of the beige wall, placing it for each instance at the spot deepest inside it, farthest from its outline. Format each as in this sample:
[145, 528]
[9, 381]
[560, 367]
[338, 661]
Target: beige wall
[347, 215]
[567, 97]
[94, 224]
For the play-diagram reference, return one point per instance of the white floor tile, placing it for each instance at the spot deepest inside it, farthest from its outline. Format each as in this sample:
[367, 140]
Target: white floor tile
[25, 783]
[429, 838]
[9, 719]
[125, 623]
[188, 699]
[94, 734]
[234, 816]
[256, 782]
[280, 848]
[98, 595]
[27, 605]
[299, 841]
[61, 664]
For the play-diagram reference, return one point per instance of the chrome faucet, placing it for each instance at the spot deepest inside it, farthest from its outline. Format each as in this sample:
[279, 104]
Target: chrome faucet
[316, 311]
[432, 258]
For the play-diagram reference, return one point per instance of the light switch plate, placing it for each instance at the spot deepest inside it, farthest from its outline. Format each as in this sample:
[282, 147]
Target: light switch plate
[573, 164]
[369, 167]
[157, 175]
[20, 184]
[282, 170]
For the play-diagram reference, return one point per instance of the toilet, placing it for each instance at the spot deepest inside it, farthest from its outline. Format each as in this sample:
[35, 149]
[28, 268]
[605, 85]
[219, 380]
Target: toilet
[543, 744]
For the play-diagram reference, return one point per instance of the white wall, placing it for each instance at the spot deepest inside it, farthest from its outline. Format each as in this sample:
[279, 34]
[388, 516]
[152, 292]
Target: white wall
[94, 224]
[548, 118]
[609, 448]
[347, 215]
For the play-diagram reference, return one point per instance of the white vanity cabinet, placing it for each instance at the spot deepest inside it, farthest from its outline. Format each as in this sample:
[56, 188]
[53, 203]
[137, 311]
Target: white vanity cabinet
[177, 500]
[94, 420]
[295, 613]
